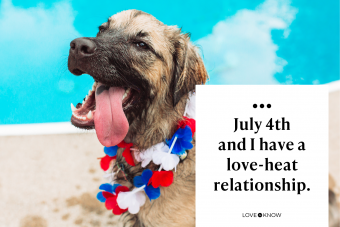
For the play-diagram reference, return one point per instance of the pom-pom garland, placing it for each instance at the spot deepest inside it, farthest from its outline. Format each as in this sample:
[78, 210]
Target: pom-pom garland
[109, 188]
[109, 197]
[162, 178]
[190, 108]
[167, 154]
[106, 161]
[131, 200]
[188, 122]
[111, 151]
[164, 158]
[143, 181]
[109, 176]
[127, 153]
[181, 141]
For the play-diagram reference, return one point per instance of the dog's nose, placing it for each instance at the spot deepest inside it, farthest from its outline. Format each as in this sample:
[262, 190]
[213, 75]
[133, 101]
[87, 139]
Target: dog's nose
[82, 47]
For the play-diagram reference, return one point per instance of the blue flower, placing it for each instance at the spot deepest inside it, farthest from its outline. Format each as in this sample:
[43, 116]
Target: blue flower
[140, 181]
[107, 188]
[183, 142]
[111, 151]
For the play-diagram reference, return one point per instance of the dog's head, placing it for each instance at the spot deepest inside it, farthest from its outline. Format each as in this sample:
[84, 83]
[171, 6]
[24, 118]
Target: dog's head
[142, 69]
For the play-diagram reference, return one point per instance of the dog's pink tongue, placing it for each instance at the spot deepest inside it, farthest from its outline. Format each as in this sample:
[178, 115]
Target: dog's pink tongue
[109, 119]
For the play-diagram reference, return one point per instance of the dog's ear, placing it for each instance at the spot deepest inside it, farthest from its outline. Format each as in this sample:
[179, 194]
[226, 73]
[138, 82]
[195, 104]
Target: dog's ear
[189, 69]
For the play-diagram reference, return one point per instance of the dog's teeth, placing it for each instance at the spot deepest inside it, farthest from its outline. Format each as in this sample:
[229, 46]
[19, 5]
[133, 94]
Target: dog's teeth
[126, 93]
[86, 97]
[73, 108]
[94, 86]
[90, 92]
[90, 115]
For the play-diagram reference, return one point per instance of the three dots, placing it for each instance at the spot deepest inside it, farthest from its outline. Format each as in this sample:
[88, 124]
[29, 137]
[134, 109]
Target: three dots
[262, 106]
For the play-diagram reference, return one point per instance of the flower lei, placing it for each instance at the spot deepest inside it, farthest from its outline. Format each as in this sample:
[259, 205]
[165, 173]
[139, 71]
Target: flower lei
[167, 154]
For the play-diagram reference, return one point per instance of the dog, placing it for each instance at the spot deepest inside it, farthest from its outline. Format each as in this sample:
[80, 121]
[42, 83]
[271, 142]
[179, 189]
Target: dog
[143, 72]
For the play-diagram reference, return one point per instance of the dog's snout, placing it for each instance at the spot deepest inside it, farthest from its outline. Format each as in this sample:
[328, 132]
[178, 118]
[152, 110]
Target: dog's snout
[82, 47]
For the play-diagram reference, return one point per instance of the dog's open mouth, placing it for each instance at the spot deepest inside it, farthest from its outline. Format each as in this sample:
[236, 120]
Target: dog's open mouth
[104, 109]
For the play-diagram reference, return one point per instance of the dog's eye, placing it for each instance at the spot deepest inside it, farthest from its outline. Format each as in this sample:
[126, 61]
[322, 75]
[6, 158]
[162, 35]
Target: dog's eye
[101, 29]
[142, 45]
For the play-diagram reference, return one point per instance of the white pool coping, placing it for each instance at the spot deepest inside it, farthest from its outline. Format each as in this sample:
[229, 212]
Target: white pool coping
[40, 129]
[67, 128]
[334, 86]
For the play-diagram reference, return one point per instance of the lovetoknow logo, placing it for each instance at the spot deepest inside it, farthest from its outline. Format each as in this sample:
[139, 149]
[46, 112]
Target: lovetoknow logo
[261, 215]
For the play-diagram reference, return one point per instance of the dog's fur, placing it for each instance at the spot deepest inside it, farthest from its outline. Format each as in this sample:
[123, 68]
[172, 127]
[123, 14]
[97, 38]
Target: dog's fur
[163, 74]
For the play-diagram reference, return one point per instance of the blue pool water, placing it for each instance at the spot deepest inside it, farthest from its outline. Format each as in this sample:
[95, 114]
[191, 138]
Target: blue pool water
[298, 43]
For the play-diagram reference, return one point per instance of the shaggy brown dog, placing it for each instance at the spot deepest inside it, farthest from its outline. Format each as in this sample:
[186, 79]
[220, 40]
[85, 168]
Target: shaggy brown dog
[144, 71]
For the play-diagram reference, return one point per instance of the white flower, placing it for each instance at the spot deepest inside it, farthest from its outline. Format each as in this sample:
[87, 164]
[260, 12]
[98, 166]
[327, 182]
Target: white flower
[164, 158]
[131, 200]
[190, 108]
[136, 153]
[109, 176]
[146, 156]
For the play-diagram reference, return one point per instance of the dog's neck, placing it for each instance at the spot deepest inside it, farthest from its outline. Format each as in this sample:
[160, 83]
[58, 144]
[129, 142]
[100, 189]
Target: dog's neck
[159, 124]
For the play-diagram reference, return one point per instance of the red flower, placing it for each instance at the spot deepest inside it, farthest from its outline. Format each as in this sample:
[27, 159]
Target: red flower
[127, 153]
[188, 122]
[111, 200]
[105, 162]
[161, 178]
